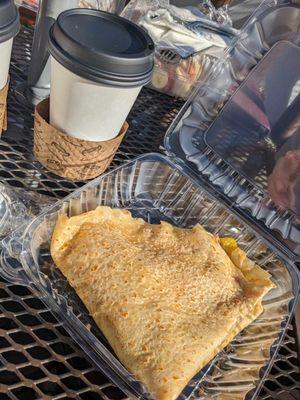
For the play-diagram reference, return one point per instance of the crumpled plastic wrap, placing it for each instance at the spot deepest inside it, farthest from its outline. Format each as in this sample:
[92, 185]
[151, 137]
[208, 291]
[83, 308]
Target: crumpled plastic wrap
[219, 14]
[18, 206]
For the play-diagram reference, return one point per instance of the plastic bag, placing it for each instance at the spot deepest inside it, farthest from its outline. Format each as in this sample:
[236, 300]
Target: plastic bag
[204, 10]
[18, 206]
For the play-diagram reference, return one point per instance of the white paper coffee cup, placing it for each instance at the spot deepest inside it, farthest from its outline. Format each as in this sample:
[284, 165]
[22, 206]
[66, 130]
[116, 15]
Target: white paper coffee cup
[99, 63]
[9, 27]
[5, 52]
[85, 109]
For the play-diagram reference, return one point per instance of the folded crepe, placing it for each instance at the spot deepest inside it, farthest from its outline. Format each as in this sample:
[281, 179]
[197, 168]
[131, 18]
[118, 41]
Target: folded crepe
[167, 299]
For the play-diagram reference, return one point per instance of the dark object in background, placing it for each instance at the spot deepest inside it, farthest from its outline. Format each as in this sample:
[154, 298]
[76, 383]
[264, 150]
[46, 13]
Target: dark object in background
[220, 3]
[184, 3]
[27, 17]
[39, 69]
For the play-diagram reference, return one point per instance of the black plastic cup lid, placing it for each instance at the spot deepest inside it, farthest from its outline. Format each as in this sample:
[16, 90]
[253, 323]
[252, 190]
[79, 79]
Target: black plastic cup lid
[9, 20]
[102, 47]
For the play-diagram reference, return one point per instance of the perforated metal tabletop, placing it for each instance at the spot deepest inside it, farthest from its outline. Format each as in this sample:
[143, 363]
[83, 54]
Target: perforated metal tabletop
[38, 359]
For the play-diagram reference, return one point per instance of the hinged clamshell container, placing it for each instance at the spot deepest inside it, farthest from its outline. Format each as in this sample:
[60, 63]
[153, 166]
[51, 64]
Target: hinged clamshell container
[153, 188]
[194, 184]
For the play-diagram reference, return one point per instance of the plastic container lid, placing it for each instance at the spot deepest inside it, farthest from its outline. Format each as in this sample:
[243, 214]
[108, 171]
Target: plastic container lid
[102, 47]
[240, 132]
[9, 20]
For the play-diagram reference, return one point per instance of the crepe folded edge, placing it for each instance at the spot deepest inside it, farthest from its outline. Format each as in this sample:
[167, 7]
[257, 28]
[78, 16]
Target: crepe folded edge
[67, 227]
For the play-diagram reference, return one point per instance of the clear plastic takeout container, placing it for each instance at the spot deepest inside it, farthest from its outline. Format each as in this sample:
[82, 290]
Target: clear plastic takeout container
[240, 132]
[153, 188]
[194, 184]
[178, 77]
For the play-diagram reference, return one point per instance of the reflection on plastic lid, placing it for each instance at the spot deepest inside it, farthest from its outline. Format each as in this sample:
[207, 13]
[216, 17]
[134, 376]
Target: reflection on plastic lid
[258, 130]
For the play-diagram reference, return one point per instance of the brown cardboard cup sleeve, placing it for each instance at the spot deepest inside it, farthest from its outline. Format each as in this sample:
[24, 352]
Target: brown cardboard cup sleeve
[3, 107]
[67, 156]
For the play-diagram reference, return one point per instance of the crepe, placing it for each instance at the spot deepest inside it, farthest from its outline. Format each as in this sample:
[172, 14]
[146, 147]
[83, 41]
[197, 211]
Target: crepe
[167, 299]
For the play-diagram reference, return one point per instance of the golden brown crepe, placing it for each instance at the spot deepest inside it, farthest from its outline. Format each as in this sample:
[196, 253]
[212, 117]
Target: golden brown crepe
[167, 299]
